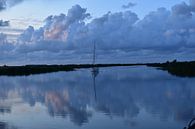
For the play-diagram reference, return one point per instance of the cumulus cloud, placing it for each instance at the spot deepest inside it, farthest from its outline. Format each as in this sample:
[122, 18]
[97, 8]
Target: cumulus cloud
[163, 33]
[129, 5]
[56, 27]
[121, 30]
[182, 9]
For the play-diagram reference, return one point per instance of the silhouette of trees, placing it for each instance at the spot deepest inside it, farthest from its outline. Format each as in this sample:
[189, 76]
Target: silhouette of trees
[181, 69]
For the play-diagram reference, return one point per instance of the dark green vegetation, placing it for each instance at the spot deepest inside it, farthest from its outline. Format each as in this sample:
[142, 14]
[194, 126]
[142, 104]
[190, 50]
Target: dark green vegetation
[32, 69]
[38, 69]
[180, 69]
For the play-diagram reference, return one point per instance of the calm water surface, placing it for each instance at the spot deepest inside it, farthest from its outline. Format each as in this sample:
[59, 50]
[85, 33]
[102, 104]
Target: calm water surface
[116, 98]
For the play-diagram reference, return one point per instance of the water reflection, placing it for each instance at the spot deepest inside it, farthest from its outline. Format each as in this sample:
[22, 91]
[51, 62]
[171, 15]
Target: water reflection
[58, 105]
[131, 94]
[4, 125]
[94, 72]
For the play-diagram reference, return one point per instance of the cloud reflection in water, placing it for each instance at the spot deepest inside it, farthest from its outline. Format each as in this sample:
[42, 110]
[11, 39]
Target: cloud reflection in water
[120, 93]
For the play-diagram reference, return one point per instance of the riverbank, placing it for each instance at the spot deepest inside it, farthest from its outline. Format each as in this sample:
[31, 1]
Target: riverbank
[39, 69]
[181, 69]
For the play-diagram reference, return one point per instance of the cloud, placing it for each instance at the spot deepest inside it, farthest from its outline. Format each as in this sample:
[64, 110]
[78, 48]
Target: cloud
[56, 27]
[192, 5]
[161, 35]
[129, 5]
[5, 47]
[4, 4]
[4, 23]
[3, 38]
[182, 9]
[11, 3]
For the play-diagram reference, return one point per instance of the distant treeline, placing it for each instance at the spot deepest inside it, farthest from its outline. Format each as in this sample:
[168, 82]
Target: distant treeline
[39, 69]
[32, 69]
[181, 69]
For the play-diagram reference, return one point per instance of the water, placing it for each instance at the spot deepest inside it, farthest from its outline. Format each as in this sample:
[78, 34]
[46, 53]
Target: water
[116, 98]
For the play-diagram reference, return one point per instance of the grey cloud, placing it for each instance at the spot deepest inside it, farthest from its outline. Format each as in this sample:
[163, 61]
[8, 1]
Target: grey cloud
[4, 4]
[182, 9]
[4, 23]
[129, 5]
[11, 3]
[192, 5]
[5, 47]
[3, 38]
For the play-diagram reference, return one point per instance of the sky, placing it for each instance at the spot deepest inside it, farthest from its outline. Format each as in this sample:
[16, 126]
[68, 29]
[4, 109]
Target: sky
[35, 11]
[64, 31]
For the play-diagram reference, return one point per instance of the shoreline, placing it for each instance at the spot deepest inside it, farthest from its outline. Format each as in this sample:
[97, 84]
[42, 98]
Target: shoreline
[181, 69]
